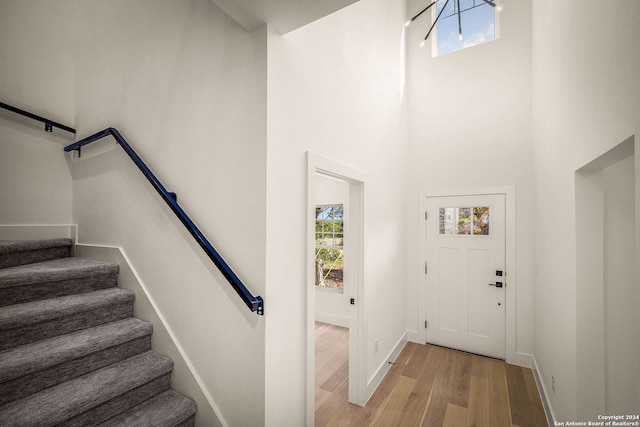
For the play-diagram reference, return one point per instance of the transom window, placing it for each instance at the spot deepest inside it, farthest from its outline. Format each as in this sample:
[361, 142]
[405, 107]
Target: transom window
[478, 21]
[329, 266]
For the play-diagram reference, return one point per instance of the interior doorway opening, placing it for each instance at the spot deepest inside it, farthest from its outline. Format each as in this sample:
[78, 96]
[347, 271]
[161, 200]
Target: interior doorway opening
[341, 188]
[607, 283]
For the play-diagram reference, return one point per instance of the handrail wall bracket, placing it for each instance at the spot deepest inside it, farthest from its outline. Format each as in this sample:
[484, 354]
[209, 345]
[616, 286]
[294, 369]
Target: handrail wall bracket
[255, 303]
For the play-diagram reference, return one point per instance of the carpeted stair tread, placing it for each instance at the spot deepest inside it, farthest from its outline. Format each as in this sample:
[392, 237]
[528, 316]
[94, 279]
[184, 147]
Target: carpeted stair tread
[53, 271]
[50, 279]
[9, 246]
[73, 402]
[20, 252]
[33, 367]
[37, 320]
[168, 409]
[34, 357]
[18, 315]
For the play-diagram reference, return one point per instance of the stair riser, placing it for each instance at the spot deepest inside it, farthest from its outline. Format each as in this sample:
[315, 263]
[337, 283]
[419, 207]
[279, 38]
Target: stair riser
[29, 257]
[41, 291]
[168, 409]
[120, 404]
[63, 325]
[33, 383]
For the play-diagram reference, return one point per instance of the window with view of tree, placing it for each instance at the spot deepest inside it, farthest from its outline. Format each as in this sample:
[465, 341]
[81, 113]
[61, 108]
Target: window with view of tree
[329, 240]
[477, 19]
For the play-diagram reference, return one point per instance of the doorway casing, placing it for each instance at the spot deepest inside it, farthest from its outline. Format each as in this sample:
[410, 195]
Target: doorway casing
[320, 165]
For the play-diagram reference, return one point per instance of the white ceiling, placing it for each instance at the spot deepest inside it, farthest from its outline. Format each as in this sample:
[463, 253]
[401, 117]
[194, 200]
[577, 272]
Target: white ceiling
[283, 15]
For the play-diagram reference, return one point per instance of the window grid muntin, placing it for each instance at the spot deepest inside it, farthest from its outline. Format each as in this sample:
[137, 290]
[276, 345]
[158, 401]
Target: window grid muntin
[454, 7]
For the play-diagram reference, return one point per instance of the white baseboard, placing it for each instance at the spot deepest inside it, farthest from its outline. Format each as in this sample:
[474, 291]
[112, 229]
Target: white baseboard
[548, 409]
[332, 319]
[38, 231]
[382, 370]
[520, 359]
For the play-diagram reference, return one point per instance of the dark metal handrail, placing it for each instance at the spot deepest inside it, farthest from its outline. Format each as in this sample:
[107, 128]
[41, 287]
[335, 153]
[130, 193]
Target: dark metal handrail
[48, 124]
[254, 303]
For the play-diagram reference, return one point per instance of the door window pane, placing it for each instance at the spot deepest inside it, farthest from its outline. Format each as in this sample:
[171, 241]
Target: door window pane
[481, 221]
[464, 221]
[447, 220]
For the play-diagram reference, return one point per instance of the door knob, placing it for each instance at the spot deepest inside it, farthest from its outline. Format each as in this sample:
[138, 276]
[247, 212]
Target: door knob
[497, 284]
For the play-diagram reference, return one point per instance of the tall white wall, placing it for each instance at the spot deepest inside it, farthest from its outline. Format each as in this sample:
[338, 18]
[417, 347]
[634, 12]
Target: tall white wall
[335, 88]
[37, 76]
[470, 127]
[586, 101]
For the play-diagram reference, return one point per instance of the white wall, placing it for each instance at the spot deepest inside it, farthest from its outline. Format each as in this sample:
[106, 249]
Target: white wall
[35, 176]
[37, 57]
[586, 101]
[335, 88]
[470, 127]
[332, 306]
[185, 85]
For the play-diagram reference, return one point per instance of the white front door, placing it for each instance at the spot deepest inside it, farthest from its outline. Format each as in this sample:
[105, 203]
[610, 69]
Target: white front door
[466, 278]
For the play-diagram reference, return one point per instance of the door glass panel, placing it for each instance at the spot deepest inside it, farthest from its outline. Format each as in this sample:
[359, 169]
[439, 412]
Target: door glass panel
[447, 220]
[481, 221]
[464, 221]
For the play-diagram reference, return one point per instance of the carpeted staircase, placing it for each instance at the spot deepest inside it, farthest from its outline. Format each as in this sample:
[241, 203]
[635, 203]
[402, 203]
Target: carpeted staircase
[71, 352]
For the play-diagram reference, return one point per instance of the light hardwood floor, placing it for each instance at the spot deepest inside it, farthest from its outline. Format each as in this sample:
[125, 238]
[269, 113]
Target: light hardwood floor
[427, 386]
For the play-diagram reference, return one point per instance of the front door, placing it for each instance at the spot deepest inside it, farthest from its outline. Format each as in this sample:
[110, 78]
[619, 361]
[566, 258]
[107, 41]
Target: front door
[465, 275]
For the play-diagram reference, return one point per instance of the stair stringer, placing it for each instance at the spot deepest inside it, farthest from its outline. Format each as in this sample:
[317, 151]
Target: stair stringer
[185, 378]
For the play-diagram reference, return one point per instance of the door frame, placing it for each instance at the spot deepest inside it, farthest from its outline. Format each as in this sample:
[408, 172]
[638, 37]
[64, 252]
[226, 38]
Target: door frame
[511, 352]
[317, 164]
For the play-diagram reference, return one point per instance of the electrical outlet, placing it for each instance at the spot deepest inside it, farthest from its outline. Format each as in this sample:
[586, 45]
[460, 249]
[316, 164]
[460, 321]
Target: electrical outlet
[553, 383]
[375, 346]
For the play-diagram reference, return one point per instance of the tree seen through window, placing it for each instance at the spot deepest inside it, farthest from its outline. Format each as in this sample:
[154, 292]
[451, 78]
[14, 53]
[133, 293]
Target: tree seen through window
[329, 242]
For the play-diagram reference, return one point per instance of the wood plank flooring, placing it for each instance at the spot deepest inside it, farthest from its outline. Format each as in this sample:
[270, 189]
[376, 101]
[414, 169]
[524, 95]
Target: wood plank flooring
[428, 386]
